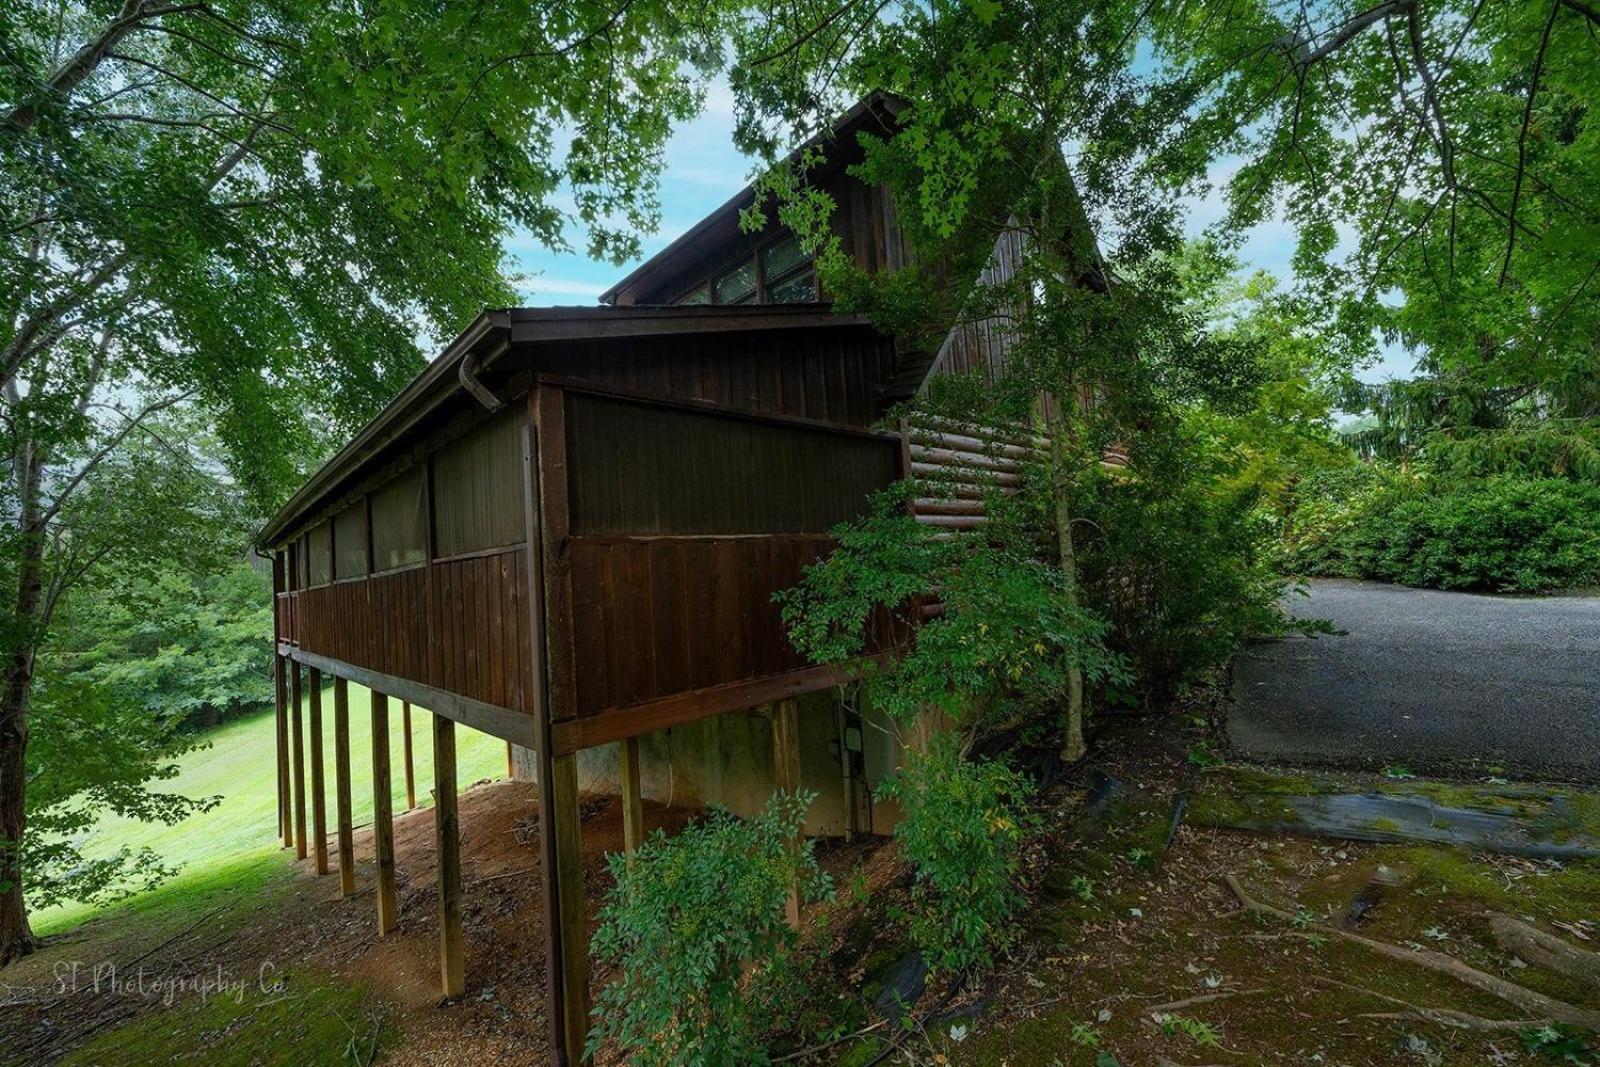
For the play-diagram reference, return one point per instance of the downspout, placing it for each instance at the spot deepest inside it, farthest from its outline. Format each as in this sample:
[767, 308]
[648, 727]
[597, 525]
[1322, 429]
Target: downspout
[472, 364]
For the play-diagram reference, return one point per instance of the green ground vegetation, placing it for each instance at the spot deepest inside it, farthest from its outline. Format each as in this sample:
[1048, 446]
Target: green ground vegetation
[239, 832]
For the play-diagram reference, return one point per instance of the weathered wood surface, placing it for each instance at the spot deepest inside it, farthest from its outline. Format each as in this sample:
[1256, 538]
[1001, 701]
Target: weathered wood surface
[298, 728]
[447, 838]
[457, 625]
[411, 770]
[341, 780]
[383, 817]
[280, 667]
[785, 718]
[632, 799]
[319, 803]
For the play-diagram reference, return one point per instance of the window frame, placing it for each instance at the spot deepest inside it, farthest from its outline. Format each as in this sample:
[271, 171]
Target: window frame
[708, 281]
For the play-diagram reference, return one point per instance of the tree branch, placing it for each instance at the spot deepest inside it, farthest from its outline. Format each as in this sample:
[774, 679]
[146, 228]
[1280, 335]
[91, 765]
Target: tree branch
[1522, 140]
[87, 59]
[106, 449]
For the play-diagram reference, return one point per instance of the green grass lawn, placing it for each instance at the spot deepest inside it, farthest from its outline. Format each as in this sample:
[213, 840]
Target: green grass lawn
[238, 765]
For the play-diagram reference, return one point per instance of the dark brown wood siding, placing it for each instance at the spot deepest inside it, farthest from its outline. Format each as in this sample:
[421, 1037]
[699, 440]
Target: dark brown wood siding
[644, 468]
[832, 375]
[459, 625]
[644, 615]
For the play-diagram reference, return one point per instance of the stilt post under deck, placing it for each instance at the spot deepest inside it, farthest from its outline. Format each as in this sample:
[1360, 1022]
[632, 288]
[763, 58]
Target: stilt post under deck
[383, 816]
[281, 685]
[632, 804]
[341, 785]
[299, 762]
[447, 835]
[319, 802]
[786, 772]
[574, 912]
[411, 773]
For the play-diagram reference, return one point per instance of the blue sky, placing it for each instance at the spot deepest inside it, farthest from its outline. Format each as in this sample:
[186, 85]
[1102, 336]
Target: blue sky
[703, 169]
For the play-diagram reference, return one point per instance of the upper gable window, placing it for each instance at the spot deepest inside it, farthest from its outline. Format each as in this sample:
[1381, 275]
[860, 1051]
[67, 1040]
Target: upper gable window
[779, 273]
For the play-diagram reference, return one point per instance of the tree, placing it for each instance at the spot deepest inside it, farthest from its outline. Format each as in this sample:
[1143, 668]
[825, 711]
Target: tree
[257, 209]
[1450, 142]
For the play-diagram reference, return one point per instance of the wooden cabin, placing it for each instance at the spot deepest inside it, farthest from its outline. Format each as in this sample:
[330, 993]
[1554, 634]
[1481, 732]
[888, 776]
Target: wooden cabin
[568, 531]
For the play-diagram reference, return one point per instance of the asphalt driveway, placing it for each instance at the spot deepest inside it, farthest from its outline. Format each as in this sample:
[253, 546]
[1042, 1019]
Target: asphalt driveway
[1428, 681]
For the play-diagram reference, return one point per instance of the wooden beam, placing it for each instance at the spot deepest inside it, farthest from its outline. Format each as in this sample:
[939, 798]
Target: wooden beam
[299, 763]
[504, 723]
[281, 685]
[614, 724]
[562, 1040]
[341, 779]
[573, 912]
[319, 803]
[411, 771]
[632, 805]
[447, 836]
[786, 773]
[383, 816]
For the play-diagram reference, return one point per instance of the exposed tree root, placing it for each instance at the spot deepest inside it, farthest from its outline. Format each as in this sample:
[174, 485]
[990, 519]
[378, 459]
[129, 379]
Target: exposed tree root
[1203, 998]
[1510, 992]
[1444, 1016]
[1545, 950]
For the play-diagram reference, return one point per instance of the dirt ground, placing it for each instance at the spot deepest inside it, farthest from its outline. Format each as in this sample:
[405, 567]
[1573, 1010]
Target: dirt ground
[1133, 950]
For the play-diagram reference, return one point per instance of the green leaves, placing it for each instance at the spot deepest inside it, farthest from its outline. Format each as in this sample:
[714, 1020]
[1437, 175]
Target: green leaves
[696, 929]
[962, 825]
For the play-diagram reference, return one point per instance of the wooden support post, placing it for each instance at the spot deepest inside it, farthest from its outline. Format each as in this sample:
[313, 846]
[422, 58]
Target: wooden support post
[299, 762]
[411, 772]
[511, 763]
[383, 816]
[319, 803]
[447, 835]
[341, 785]
[574, 917]
[285, 817]
[632, 806]
[786, 773]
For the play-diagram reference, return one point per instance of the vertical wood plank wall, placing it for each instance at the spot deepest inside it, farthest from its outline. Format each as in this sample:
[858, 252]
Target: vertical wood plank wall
[460, 625]
[668, 617]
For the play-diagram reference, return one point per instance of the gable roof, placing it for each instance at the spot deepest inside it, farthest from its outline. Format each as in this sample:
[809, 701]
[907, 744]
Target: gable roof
[877, 110]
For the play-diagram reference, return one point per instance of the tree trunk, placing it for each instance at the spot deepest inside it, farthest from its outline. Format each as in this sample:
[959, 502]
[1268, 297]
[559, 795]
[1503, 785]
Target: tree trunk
[1073, 747]
[16, 937]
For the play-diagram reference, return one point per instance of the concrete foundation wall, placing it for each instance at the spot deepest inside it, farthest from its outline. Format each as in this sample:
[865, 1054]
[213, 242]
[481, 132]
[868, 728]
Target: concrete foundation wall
[726, 761]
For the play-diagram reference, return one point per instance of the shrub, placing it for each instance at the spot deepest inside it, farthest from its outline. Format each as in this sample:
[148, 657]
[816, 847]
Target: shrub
[1180, 565]
[695, 929]
[962, 825]
[1502, 534]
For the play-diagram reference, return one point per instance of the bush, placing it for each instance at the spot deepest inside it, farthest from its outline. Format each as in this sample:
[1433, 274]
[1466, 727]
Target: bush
[962, 825]
[1502, 534]
[696, 932]
[1180, 565]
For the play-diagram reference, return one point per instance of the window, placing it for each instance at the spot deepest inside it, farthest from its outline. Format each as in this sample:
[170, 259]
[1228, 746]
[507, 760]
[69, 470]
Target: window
[400, 521]
[780, 273]
[477, 488]
[737, 286]
[350, 541]
[319, 555]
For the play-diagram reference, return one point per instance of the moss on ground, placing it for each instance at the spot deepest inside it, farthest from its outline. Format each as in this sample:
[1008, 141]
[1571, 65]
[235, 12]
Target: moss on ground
[297, 1017]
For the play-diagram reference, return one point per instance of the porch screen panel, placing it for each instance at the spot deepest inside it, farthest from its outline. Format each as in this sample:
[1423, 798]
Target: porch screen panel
[477, 488]
[652, 470]
[400, 521]
[350, 541]
[319, 555]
